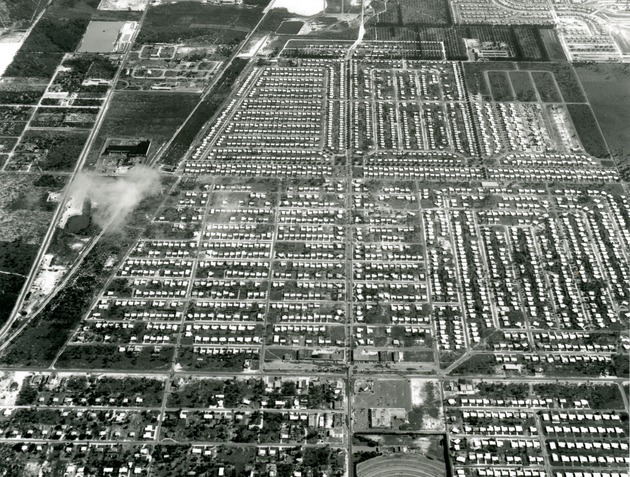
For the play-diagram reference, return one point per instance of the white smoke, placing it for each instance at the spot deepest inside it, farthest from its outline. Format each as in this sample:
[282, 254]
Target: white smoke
[114, 198]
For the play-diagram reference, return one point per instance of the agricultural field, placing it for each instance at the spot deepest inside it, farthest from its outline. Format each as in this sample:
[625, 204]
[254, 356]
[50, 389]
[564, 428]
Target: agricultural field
[412, 12]
[465, 42]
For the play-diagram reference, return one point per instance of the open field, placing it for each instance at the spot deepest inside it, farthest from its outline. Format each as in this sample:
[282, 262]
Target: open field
[523, 85]
[123, 5]
[500, 86]
[153, 115]
[588, 130]
[553, 47]
[607, 87]
[16, 258]
[405, 12]
[194, 22]
[565, 77]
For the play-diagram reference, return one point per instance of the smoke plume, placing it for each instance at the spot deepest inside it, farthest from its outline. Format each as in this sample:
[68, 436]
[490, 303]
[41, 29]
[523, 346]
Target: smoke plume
[114, 198]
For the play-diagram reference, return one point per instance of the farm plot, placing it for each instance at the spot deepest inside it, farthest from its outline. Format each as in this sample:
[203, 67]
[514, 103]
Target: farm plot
[528, 41]
[431, 12]
[411, 12]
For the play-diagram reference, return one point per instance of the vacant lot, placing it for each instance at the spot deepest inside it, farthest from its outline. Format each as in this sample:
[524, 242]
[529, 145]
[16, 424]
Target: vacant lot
[153, 115]
[475, 76]
[123, 5]
[553, 46]
[290, 28]
[546, 87]
[565, 76]
[413, 12]
[523, 85]
[608, 89]
[500, 86]
[193, 22]
[588, 130]
[108, 357]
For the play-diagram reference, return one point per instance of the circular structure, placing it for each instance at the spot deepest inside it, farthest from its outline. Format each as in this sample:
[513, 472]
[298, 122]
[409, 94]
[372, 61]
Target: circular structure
[401, 465]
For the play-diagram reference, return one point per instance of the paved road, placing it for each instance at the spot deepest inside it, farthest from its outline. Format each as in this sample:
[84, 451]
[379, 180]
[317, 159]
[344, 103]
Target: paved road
[209, 90]
[66, 194]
